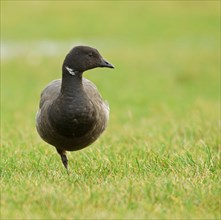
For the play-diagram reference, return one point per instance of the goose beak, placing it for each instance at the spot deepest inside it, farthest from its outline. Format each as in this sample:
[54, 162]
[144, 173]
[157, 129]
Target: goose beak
[105, 63]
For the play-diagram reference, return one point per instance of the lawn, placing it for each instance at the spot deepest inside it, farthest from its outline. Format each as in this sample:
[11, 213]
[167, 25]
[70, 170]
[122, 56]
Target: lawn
[160, 156]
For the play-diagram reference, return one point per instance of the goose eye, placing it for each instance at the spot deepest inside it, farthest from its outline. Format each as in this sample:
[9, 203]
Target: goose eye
[90, 54]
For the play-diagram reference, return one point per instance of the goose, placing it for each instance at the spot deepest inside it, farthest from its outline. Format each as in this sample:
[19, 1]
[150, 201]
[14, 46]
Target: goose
[72, 114]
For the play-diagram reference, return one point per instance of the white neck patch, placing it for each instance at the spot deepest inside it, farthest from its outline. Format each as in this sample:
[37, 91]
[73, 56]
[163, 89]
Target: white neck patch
[71, 71]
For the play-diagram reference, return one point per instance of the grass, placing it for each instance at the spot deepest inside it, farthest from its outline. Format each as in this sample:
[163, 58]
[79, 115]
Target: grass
[160, 156]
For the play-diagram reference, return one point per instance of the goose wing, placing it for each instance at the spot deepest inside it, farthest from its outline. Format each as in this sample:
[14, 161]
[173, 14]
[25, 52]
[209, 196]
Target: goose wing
[51, 92]
[93, 94]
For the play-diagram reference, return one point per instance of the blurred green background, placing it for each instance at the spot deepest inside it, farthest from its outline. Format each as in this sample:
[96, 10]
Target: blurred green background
[163, 94]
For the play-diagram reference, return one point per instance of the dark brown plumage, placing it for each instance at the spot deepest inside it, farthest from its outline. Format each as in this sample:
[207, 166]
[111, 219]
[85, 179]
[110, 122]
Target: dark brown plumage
[72, 114]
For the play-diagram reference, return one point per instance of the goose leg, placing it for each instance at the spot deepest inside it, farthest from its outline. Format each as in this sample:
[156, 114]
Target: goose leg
[64, 158]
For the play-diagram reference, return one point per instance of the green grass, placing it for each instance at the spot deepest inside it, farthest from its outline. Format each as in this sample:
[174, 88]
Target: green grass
[160, 156]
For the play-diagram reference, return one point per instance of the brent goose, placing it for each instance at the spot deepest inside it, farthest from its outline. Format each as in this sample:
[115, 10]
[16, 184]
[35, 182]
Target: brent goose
[72, 113]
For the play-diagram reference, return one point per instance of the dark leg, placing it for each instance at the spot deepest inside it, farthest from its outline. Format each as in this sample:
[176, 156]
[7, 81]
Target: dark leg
[64, 158]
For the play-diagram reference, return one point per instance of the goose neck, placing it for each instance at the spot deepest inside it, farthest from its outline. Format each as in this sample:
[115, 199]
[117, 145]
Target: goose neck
[71, 84]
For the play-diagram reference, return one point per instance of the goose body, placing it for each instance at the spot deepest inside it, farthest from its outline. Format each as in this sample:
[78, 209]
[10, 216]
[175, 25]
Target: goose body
[72, 113]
